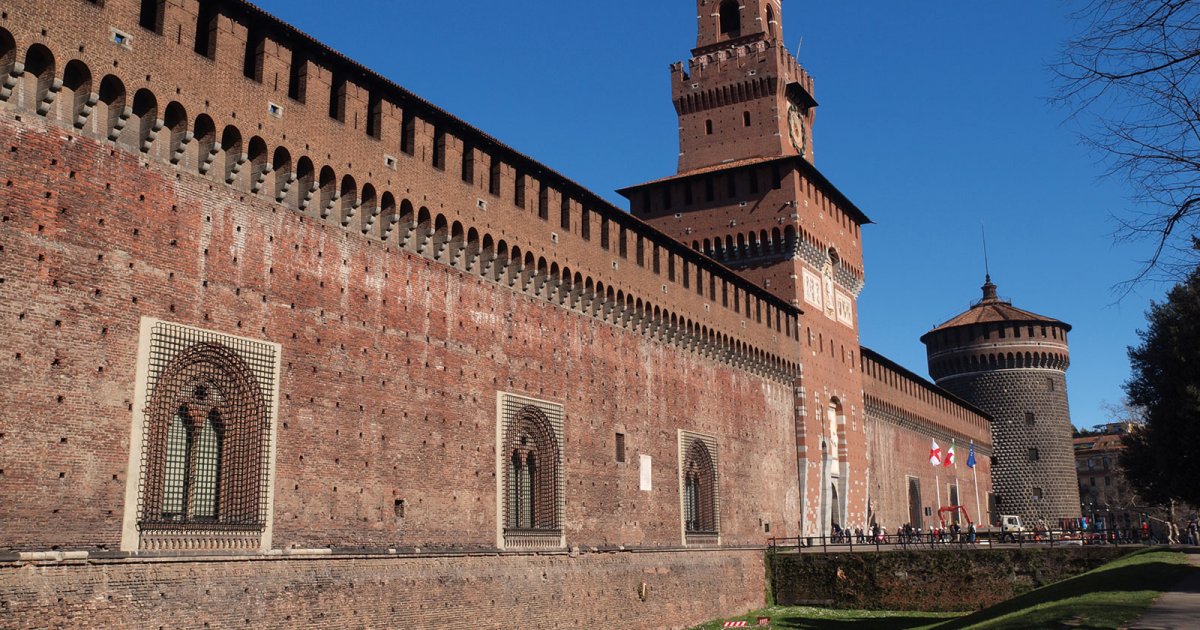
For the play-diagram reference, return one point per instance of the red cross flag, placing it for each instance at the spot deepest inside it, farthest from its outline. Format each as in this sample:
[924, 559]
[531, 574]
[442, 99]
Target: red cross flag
[935, 454]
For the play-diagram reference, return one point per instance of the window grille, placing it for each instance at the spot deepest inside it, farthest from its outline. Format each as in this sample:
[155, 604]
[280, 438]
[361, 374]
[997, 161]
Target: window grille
[206, 441]
[533, 484]
[699, 488]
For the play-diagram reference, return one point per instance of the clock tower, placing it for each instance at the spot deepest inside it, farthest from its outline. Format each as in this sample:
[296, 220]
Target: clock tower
[742, 95]
[747, 194]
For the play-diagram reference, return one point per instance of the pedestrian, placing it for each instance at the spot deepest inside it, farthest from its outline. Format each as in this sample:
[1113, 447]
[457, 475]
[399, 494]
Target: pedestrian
[971, 533]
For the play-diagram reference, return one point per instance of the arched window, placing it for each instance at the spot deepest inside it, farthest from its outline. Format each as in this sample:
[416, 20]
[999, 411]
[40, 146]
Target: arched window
[772, 30]
[205, 439]
[191, 482]
[698, 487]
[731, 19]
[533, 503]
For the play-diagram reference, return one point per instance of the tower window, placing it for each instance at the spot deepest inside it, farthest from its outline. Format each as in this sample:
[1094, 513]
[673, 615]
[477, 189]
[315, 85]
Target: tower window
[375, 116]
[745, 119]
[408, 131]
[494, 173]
[468, 164]
[621, 447]
[252, 64]
[439, 148]
[708, 128]
[206, 30]
[1030, 419]
[731, 18]
[151, 17]
[337, 99]
[298, 78]
[1034, 455]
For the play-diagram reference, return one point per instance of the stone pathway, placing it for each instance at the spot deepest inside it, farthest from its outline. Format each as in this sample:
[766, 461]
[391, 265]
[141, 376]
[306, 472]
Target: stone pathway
[1179, 608]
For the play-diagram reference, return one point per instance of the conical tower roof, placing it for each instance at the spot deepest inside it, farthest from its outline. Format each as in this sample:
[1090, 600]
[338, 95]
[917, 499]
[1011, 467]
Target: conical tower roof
[993, 309]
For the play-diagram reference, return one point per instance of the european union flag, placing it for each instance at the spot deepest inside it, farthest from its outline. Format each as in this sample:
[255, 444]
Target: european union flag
[971, 457]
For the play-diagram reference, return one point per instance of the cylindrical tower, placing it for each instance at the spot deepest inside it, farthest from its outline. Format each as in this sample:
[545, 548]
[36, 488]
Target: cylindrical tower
[1012, 364]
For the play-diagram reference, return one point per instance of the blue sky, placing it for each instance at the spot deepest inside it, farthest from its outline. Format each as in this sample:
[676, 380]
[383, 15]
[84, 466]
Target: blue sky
[933, 119]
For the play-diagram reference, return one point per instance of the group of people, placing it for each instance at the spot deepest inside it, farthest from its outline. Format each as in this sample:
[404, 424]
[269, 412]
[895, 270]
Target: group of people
[877, 534]
[845, 535]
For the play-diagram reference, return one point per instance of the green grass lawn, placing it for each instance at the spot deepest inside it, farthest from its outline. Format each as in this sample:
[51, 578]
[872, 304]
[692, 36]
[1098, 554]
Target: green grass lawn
[1107, 597]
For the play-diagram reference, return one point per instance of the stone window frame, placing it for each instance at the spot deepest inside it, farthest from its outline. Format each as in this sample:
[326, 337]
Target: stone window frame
[703, 528]
[167, 351]
[541, 422]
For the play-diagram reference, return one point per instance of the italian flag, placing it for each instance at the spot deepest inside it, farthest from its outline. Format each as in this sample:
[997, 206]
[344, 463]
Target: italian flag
[950, 461]
[935, 453]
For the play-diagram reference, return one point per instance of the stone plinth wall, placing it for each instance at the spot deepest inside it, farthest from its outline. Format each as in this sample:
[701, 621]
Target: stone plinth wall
[586, 590]
[927, 580]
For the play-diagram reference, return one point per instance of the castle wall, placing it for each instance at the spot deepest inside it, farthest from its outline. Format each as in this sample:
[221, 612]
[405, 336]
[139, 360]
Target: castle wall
[583, 590]
[904, 413]
[391, 368]
[410, 270]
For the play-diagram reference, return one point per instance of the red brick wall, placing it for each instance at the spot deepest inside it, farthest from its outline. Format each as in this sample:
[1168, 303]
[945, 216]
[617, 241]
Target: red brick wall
[904, 414]
[391, 367]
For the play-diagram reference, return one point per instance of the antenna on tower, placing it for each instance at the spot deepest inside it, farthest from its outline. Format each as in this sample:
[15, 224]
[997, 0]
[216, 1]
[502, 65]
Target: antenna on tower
[799, 45]
[986, 266]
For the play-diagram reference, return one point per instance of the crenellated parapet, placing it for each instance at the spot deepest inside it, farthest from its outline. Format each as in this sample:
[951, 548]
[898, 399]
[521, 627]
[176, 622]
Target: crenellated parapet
[224, 91]
[995, 335]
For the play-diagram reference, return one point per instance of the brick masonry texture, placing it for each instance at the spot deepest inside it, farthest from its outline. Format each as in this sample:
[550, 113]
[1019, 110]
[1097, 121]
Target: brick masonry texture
[550, 591]
[390, 373]
[412, 269]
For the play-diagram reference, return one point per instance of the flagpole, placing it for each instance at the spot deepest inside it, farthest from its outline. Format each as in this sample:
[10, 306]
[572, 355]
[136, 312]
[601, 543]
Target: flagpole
[975, 474]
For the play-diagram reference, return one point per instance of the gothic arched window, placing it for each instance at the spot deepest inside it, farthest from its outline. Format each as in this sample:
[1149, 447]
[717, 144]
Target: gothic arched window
[205, 440]
[532, 479]
[698, 485]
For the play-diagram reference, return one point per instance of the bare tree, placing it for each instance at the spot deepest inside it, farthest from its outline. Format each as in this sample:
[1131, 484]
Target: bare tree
[1133, 78]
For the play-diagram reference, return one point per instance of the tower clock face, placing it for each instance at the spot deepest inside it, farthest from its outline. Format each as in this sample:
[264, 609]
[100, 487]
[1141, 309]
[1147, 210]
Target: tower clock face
[796, 127]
